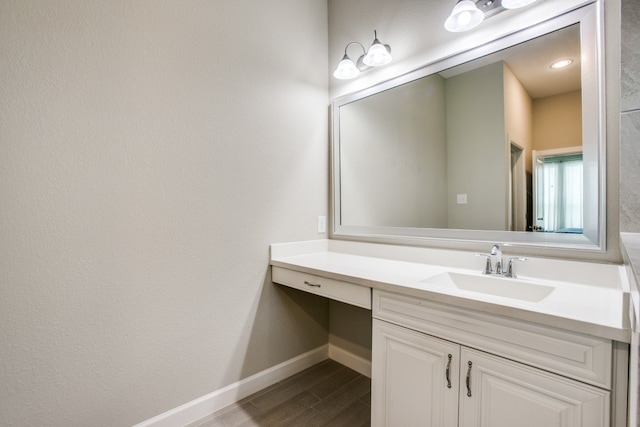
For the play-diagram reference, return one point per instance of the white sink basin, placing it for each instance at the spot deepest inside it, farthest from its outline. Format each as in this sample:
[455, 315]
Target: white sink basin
[492, 285]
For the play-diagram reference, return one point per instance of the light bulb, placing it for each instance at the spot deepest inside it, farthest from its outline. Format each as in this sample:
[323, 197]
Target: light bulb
[464, 16]
[346, 69]
[377, 55]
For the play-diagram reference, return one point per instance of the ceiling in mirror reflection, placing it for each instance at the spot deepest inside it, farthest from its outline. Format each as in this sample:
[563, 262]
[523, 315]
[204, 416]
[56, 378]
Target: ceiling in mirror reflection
[531, 63]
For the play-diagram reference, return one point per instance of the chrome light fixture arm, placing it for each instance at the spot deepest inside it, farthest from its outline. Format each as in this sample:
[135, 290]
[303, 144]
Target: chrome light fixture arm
[377, 55]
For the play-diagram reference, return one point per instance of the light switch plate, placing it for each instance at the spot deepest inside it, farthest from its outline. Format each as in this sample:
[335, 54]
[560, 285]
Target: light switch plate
[462, 199]
[322, 224]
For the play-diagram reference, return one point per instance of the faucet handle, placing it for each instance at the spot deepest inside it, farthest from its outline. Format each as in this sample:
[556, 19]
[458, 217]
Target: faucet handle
[510, 272]
[488, 268]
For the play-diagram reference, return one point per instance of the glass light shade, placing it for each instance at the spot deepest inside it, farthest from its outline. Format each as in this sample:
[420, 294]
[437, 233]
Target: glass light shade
[346, 69]
[515, 4]
[377, 55]
[464, 16]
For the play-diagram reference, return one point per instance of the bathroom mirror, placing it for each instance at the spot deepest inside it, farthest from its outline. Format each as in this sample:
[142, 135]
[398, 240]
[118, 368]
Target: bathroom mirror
[448, 152]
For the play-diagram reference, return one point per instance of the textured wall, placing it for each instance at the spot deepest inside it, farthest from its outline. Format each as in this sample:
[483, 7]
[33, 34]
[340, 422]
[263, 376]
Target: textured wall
[478, 169]
[630, 119]
[150, 151]
[400, 132]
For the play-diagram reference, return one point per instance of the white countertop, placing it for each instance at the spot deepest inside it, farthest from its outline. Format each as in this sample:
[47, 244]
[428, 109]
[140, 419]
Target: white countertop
[596, 303]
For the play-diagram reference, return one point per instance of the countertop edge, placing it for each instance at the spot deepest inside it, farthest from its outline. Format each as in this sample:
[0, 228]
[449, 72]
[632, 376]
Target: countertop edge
[541, 318]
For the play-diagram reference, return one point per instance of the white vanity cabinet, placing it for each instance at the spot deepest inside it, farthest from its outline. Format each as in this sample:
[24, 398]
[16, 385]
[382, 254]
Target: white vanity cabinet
[429, 370]
[503, 393]
[414, 378]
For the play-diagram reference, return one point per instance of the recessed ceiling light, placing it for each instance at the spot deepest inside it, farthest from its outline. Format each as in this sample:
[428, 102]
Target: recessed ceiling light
[561, 64]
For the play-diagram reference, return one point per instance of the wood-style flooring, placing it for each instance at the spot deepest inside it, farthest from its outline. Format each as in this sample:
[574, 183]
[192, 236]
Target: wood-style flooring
[326, 394]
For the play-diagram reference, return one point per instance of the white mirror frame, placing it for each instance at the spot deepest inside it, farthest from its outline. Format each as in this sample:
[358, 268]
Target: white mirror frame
[593, 239]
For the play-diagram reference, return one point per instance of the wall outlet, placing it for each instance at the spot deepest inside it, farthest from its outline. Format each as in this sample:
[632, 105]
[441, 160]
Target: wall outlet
[322, 224]
[462, 199]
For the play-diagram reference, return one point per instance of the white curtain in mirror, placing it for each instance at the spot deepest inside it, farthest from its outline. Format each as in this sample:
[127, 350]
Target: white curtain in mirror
[560, 201]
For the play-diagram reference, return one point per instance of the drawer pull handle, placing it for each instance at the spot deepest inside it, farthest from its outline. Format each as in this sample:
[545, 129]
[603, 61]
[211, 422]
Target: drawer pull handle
[313, 285]
[448, 371]
[469, 380]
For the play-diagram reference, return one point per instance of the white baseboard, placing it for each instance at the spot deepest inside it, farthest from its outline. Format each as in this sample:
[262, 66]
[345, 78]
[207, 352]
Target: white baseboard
[212, 402]
[350, 360]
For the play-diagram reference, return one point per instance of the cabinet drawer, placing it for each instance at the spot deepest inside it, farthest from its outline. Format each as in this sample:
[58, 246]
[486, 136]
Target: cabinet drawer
[334, 289]
[582, 357]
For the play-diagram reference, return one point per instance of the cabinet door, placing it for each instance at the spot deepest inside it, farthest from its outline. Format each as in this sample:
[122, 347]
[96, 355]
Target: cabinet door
[496, 392]
[415, 379]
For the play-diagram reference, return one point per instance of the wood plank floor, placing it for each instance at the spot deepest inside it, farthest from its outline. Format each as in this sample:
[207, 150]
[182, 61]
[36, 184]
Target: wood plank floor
[326, 394]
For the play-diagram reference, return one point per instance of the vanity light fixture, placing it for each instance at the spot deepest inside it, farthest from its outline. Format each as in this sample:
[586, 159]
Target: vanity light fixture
[377, 55]
[468, 14]
[464, 16]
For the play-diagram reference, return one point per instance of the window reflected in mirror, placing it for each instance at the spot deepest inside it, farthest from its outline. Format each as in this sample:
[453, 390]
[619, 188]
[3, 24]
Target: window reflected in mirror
[558, 191]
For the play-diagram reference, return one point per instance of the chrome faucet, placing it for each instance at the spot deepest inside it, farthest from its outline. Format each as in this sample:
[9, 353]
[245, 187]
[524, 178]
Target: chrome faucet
[495, 263]
[496, 258]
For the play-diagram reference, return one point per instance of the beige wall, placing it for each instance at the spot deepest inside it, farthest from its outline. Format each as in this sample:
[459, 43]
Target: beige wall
[476, 148]
[150, 151]
[344, 321]
[518, 113]
[393, 152]
[557, 121]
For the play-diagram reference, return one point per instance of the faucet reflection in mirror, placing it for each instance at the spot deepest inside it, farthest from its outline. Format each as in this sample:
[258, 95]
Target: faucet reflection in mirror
[377, 55]
[468, 14]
